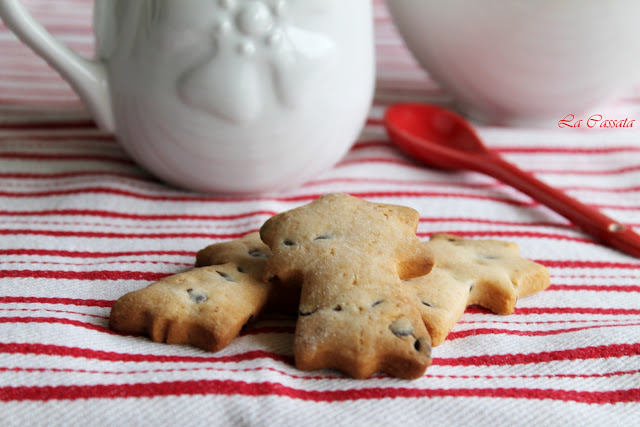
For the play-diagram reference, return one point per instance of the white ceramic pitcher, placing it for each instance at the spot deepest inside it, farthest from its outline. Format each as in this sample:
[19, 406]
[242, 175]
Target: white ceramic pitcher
[222, 96]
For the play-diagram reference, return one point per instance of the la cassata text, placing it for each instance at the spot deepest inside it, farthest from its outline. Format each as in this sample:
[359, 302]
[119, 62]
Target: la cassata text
[595, 121]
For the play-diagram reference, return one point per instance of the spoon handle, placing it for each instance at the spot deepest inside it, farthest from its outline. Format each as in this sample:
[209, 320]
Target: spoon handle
[589, 219]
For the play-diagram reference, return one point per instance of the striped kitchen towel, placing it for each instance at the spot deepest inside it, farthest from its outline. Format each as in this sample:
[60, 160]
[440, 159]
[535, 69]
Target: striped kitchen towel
[81, 224]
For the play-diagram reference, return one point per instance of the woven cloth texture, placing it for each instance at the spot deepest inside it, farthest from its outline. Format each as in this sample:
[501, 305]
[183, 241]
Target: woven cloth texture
[81, 224]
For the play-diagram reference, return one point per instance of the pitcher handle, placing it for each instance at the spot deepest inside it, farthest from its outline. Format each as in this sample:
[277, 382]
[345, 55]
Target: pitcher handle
[87, 77]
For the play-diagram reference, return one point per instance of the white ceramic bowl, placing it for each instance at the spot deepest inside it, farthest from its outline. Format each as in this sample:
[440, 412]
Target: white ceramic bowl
[527, 61]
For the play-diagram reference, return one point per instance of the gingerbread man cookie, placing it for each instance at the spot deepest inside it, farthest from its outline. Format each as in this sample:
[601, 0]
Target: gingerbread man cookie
[350, 256]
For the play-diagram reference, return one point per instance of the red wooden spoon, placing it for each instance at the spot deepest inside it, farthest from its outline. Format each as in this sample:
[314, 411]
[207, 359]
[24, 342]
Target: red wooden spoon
[441, 138]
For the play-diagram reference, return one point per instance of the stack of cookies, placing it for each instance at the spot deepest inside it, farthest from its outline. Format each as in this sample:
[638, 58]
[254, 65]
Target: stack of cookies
[370, 297]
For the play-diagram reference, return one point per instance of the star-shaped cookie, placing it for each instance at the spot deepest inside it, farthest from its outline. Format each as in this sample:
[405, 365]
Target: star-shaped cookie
[488, 273]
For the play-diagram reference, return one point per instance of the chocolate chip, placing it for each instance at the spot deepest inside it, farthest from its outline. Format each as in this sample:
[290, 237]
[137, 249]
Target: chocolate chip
[378, 302]
[288, 242]
[225, 276]
[257, 253]
[427, 303]
[196, 296]
[337, 308]
[402, 327]
[423, 345]
[455, 241]
[324, 237]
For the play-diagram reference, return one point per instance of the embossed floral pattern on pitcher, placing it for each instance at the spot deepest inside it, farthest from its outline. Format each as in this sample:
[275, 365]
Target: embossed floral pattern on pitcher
[249, 38]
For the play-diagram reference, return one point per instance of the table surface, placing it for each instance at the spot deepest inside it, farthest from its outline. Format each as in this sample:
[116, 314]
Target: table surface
[81, 225]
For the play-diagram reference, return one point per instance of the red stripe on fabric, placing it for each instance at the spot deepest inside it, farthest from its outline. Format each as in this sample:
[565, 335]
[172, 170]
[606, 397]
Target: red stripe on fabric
[595, 288]
[567, 150]
[49, 124]
[531, 149]
[57, 320]
[61, 301]
[363, 145]
[78, 174]
[108, 275]
[583, 353]
[563, 310]
[431, 219]
[92, 137]
[300, 198]
[67, 156]
[111, 235]
[528, 333]
[177, 197]
[135, 216]
[110, 356]
[83, 254]
[87, 325]
[589, 264]
[397, 182]
[632, 189]
[233, 388]
[498, 233]
[103, 190]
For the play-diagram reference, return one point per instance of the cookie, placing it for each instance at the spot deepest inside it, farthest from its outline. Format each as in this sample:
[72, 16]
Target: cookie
[349, 257]
[488, 273]
[279, 300]
[205, 307]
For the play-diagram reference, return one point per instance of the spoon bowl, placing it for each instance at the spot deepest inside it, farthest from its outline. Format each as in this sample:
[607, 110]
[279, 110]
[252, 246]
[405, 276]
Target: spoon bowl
[439, 127]
[443, 139]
